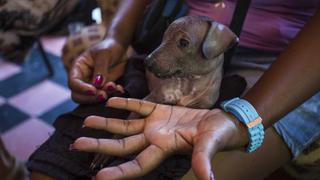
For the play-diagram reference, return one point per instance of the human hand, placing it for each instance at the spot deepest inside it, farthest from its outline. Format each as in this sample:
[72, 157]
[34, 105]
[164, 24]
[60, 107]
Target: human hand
[164, 130]
[93, 73]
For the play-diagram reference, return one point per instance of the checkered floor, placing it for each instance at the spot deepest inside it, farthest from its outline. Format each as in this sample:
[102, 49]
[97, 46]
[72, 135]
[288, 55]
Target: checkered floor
[30, 100]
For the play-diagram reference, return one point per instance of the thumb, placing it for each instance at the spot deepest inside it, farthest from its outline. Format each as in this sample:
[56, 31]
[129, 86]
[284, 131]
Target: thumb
[204, 150]
[100, 72]
[105, 54]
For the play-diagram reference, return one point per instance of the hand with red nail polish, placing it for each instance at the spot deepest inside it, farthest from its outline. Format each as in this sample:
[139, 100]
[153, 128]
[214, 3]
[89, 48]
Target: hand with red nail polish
[100, 64]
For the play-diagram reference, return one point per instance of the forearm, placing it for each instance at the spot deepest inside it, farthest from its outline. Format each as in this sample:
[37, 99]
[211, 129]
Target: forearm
[292, 79]
[125, 20]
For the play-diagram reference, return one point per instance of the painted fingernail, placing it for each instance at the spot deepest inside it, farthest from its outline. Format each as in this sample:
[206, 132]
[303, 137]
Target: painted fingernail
[90, 93]
[98, 80]
[110, 88]
[211, 176]
[101, 98]
[72, 148]
[83, 126]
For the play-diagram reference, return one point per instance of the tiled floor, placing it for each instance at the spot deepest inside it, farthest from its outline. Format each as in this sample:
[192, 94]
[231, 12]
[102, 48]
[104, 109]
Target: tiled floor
[30, 100]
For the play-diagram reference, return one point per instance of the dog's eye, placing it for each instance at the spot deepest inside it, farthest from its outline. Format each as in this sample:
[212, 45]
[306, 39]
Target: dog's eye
[183, 43]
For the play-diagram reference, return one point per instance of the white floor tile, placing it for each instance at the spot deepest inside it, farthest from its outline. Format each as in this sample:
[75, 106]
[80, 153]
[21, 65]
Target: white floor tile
[40, 98]
[8, 69]
[24, 139]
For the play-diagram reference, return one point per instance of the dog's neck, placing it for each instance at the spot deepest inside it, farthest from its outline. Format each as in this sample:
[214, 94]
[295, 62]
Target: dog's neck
[198, 91]
[204, 93]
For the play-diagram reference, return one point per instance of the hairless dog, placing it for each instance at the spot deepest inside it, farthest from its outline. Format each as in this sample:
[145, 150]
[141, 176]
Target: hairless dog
[187, 68]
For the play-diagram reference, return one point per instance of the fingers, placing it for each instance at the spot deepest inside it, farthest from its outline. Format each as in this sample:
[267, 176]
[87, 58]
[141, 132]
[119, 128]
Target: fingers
[100, 73]
[117, 126]
[147, 160]
[139, 106]
[101, 95]
[106, 55]
[111, 87]
[80, 74]
[89, 73]
[76, 82]
[203, 152]
[114, 147]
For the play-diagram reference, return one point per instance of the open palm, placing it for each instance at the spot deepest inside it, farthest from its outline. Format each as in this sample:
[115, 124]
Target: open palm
[164, 130]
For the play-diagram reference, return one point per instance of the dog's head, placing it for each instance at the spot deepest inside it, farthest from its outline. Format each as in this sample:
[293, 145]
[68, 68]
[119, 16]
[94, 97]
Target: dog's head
[191, 46]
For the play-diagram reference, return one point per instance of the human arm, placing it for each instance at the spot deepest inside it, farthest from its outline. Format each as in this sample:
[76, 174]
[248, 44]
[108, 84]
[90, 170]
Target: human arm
[125, 21]
[89, 77]
[292, 79]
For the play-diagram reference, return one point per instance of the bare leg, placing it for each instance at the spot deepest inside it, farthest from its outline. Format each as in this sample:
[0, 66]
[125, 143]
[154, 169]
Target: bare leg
[235, 165]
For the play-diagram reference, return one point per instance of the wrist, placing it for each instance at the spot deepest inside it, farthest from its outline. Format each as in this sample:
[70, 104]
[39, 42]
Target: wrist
[240, 137]
[234, 134]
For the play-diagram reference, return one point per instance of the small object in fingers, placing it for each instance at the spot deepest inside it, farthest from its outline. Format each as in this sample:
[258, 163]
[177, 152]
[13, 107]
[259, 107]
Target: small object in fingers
[98, 80]
[101, 98]
[120, 89]
[91, 93]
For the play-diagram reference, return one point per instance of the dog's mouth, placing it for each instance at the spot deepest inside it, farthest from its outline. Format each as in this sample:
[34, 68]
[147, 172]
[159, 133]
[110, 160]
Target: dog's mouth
[175, 74]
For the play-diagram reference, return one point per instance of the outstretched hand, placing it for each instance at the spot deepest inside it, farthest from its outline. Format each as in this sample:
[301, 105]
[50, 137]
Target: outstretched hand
[164, 130]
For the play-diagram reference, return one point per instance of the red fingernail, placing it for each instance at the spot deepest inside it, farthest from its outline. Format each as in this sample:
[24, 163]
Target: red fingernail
[211, 176]
[101, 98]
[110, 88]
[72, 148]
[90, 93]
[98, 80]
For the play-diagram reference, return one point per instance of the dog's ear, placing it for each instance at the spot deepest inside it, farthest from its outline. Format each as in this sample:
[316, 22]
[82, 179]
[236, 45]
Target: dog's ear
[219, 38]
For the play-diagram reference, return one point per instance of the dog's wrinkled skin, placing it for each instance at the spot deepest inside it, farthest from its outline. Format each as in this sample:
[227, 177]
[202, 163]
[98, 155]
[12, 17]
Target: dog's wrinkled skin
[187, 68]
